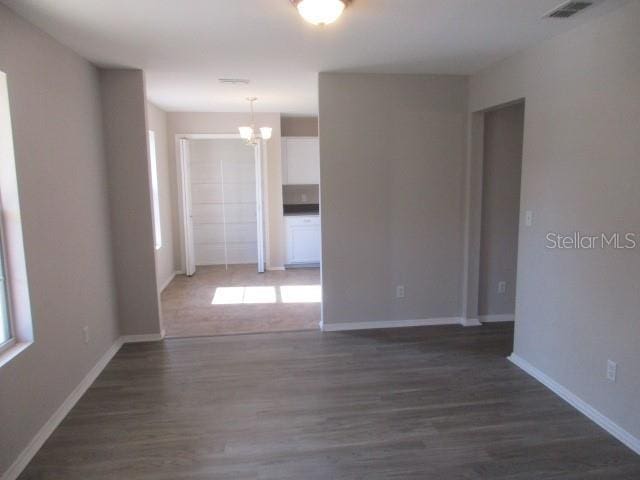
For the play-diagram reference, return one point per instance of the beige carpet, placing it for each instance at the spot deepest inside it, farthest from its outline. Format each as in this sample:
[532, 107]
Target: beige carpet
[216, 301]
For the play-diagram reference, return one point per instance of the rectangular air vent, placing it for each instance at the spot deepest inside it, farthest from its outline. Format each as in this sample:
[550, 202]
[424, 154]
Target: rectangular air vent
[234, 81]
[568, 9]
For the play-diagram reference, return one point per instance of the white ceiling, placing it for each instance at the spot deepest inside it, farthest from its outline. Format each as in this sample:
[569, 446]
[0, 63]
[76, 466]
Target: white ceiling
[184, 46]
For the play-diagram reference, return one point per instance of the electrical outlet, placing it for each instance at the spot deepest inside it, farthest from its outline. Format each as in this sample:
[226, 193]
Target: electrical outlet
[400, 291]
[502, 287]
[612, 370]
[85, 334]
[528, 218]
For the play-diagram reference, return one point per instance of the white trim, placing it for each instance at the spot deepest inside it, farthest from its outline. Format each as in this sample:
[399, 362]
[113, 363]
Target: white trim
[276, 269]
[168, 281]
[11, 350]
[338, 327]
[259, 207]
[470, 322]
[184, 205]
[293, 266]
[576, 402]
[47, 429]
[209, 136]
[506, 317]
[148, 337]
[63, 410]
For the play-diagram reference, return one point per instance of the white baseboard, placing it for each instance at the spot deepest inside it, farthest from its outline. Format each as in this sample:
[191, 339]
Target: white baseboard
[293, 266]
[275, 269]
[149, 337]
[168, 281]
[508, 317]
[576, 402]
[338, 327]
[470, 322]
[47, 429]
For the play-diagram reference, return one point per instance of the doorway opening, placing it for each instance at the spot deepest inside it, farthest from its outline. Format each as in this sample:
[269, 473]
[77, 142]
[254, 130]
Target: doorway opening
[500, 214]
[226, 287]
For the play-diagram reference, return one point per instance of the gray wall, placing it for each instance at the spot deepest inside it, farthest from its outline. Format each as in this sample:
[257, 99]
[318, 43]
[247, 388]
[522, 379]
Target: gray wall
[126, 149]
[392, 154]
[165, 257]
[502, 168]
[299, 126]
[55, 103]
[580, 172]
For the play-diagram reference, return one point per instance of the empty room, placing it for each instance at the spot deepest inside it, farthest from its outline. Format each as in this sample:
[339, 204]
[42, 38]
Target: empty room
[319, 239]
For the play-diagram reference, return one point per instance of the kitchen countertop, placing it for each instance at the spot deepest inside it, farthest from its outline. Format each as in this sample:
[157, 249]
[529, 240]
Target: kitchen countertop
[312, 209]
[302, 214]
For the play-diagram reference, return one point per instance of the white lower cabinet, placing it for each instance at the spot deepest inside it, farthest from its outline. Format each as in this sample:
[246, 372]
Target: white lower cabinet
[303, 239]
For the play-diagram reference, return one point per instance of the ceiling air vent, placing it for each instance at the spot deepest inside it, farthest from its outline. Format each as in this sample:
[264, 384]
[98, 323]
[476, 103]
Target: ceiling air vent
[568, 9]
[234, 81]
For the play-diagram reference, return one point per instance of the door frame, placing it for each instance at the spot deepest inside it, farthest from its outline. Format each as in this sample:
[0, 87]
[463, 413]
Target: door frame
[184, 196]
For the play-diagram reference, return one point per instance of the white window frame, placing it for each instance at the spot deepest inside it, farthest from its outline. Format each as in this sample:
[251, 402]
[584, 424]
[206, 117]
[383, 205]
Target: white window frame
[155, 192]
[5, 293]
[15, 283]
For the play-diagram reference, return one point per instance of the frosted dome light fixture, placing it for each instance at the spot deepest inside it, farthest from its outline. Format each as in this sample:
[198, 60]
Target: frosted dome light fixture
[320, 12]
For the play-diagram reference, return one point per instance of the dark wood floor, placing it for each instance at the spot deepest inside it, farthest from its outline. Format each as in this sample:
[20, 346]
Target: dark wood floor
[418, 403]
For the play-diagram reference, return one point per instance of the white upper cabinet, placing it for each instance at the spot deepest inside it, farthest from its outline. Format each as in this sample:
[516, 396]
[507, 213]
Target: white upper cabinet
[300, 161]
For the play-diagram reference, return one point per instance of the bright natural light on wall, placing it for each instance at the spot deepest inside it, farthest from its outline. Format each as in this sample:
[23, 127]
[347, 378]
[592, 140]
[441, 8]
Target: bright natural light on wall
[267, 294]
[153, 167]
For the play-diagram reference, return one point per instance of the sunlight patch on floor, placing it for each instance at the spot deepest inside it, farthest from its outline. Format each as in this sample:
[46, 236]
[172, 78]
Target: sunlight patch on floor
[244, 295]
[301, 293]
[267, 294]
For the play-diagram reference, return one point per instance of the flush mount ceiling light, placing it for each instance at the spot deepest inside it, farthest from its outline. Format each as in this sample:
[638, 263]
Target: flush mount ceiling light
[248, 133]
[320, 12]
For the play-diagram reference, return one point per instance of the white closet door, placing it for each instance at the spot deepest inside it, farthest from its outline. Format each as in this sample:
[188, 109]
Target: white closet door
[223, 196]
[239, 187]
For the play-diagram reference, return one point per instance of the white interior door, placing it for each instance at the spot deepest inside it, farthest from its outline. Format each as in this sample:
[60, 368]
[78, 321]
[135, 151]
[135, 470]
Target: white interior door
[190, 262]
[223, 201]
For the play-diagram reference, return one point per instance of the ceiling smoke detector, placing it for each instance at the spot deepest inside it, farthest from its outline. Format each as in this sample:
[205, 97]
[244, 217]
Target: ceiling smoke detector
[320, 12]
[568, 9]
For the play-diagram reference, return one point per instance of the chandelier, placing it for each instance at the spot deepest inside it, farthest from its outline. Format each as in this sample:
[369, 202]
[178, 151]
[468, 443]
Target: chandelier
[248, 133]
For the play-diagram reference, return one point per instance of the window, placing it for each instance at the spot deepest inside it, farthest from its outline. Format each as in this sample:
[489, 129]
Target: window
[6, 330]
[16, 328]
[153, 167]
